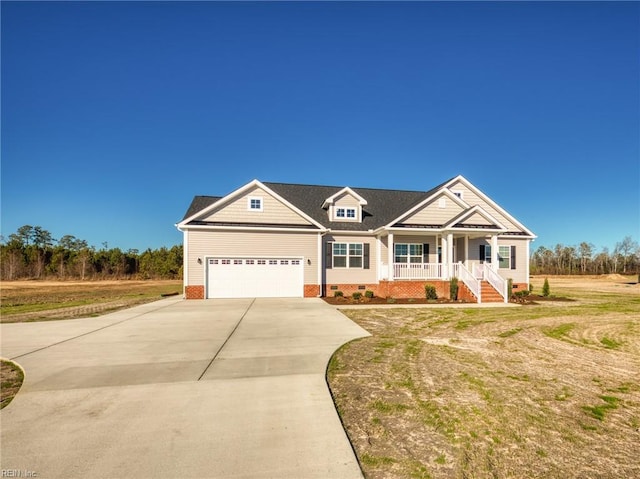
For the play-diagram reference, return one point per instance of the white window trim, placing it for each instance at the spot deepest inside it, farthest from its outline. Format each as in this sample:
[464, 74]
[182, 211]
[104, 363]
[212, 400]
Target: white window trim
[254, 198]
[409, 255]
[347, 256]
[507, 257]
[346, 217]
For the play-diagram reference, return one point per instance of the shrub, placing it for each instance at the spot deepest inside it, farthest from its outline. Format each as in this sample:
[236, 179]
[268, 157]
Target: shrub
[338, 294]
[357, 295]
[545, 288]
[522, 294]
[530, 287]
[453, 288]
[430, 291]
[368, 293]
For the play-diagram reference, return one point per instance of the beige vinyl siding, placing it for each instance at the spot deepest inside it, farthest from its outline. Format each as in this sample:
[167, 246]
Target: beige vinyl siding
[273, 211]
[204, 244]
[477, 219]
[432, 214]
[472, 199]
[353, 275]
[345, 200]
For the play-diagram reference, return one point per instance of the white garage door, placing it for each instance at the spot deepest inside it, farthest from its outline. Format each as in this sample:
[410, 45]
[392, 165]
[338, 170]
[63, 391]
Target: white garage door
[254, 277]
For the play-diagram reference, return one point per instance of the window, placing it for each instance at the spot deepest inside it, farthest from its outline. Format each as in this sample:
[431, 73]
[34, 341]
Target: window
[255, 203]
[348, 213]
[237, 261]
[262, 261]
[250, 261]
[487, 254]
[504, 257]
[408, 253]
[459, 194]
[347, 255]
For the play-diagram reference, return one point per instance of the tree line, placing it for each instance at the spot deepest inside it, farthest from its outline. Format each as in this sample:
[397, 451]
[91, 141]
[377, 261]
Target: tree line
[585, 259]
[32, 253]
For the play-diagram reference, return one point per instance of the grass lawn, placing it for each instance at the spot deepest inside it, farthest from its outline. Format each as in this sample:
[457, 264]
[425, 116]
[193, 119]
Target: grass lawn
[23, 301]
[549, 390]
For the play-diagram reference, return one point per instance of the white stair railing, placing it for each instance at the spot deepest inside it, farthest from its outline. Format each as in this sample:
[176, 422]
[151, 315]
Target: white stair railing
[496, 281]
[469, 280]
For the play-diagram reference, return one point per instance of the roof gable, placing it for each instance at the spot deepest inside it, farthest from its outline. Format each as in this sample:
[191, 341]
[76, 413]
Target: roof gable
[474, 218]
[233, 210]
[381, 208]
[474, 196]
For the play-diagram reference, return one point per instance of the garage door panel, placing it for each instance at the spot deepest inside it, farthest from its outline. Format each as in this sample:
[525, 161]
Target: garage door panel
[254, 277]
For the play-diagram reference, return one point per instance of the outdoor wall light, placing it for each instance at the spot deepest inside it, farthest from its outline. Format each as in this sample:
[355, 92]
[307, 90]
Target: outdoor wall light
[308, 261]
[199, 260]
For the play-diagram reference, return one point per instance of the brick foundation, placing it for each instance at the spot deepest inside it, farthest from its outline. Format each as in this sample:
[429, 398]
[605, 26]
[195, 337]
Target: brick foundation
[311, 290]
[391, 289]
[194, 292]
[465, 294]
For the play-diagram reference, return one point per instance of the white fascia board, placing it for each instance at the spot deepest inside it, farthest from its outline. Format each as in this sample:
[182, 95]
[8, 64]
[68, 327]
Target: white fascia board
[251, 228]
[370, 233]
[460, 202]
[471, 211]
[346, 189]
[469, 185]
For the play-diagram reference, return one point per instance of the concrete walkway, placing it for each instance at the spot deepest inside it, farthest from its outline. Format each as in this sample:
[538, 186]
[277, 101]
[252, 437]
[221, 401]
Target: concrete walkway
[189, 389]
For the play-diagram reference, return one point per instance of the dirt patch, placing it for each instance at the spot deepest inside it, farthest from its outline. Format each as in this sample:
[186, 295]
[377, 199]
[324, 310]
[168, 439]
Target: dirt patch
[548, 390]
[50, 300]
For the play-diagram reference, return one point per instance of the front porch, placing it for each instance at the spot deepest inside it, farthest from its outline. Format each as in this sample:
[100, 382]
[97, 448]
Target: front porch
[411, 257]
[482, 282]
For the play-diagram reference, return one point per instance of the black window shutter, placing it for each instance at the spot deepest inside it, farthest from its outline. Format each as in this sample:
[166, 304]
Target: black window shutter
[481, 253]
[365, 258]
[329, 256]
[425, 252]
[513, 257]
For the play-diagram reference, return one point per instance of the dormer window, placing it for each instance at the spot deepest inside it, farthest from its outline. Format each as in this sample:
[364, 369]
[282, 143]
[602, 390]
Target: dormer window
[346, 213]
[254, 203]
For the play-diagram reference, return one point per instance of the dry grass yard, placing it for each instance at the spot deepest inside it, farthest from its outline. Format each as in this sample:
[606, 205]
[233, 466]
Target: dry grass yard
[545, 390]
[22, 301]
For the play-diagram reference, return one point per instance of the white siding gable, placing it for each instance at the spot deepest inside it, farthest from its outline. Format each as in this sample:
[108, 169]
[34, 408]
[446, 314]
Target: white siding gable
[473, 199]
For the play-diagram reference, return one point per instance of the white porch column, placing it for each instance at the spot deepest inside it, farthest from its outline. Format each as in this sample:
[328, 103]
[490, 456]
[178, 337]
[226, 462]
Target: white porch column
[494, 252]
[449, 254]
[445, 259]
[466, 251]
[390, 256]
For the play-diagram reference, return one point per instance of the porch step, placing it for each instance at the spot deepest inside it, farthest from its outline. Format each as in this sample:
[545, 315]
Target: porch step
[489, 293]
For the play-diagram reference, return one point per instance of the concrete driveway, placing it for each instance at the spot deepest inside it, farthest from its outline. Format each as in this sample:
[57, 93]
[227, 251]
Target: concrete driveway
[200, 389]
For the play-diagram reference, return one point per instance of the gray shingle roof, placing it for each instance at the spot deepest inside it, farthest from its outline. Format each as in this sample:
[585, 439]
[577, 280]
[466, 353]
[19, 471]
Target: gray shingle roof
[382, 207]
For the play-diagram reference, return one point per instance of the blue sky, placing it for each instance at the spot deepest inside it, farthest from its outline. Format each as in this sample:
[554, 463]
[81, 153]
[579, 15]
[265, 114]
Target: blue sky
[115, 114]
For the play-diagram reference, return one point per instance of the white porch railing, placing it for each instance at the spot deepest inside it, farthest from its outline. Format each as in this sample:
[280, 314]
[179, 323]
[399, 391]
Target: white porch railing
[417, 270]
[462, 273]
[473, 280]
[496, 281]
